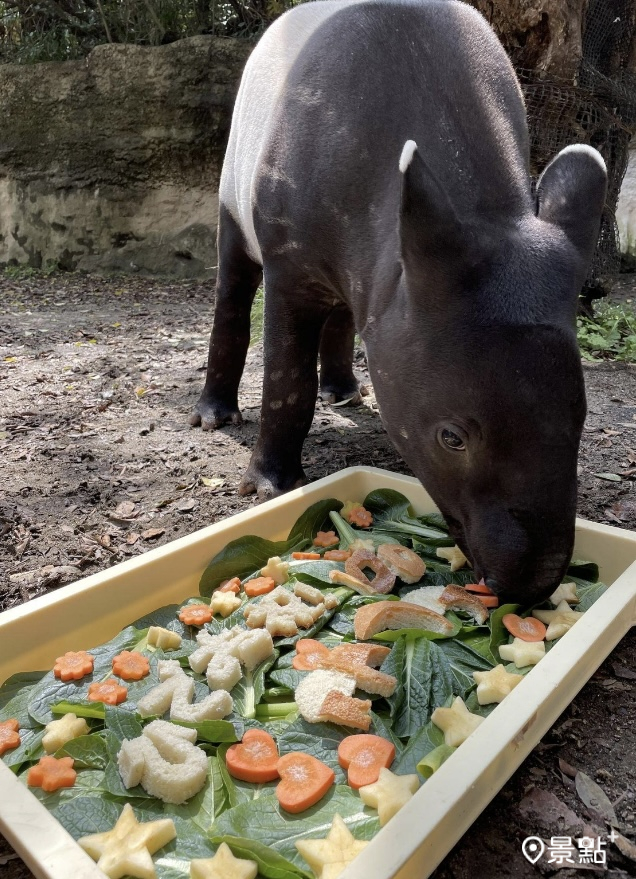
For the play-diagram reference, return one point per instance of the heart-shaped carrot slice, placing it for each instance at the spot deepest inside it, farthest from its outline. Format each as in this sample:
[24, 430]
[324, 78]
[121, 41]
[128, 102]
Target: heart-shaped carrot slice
[304, 781]
[309, 654]
[254, 759]
[363, 756]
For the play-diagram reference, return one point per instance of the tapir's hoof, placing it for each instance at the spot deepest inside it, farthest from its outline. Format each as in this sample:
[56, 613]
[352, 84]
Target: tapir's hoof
[209, 415]
[267, 487]
[343, 397]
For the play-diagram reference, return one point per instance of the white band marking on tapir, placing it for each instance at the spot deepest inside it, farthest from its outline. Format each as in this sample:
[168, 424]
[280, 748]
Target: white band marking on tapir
[576, 148]
[406, 158]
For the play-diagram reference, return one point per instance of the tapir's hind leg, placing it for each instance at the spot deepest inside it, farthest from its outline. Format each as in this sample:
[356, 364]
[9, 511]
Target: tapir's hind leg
[337, 381]
[294, 317]
[236, 286]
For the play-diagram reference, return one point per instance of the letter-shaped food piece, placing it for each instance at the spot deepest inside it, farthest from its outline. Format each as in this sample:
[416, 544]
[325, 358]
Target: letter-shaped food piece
[402, 561]
[58, 732]
[126, 850]
[363, 756]
[389, 793]
[177, 692]
[346, 711]
[165, 761]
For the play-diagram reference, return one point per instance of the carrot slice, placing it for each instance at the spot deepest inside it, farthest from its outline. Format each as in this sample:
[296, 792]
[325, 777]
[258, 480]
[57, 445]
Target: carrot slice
[479, 588]
[9, 737]
[309, 556]
[233, 585]
[526, 628]
[52, 773]
[326, 538]
[110, 692]
[195, 614]
[73, 666]
[254, 759]
[363, 756]
[304, 781]
[131, 665]
[259, 586]
[489, 600]
[309, 654]
[337, 555]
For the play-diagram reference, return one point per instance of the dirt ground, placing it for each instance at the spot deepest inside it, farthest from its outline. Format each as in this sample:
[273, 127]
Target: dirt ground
[97, 377]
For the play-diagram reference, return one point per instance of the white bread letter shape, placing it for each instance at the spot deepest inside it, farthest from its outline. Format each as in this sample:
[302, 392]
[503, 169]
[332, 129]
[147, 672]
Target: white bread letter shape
[165, 761]
[176, 692]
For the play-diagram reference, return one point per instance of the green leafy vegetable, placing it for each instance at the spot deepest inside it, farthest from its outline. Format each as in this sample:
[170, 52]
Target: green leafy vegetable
[248, 691]
[392, 512]
[419, 745]
[434, 759]
[463, 662]
[349, 535]
[499, 634]
[88, 752]
[15, 694]
[320, 740]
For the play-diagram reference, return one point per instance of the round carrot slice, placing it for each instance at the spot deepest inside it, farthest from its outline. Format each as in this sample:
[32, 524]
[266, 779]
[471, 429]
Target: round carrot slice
[363, 756]
[309, 654]
[489, 600]
[304, 781]
[526, 628]
[254, 759]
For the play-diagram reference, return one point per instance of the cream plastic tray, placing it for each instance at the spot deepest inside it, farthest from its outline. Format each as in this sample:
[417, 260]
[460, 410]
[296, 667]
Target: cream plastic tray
[93, 610]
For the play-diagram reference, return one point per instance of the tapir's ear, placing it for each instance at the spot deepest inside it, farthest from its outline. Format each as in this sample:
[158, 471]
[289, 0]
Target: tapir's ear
[428, 222]
[571, 194]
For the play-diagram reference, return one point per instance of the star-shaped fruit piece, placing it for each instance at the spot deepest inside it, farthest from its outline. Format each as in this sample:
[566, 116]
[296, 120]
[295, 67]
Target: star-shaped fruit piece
[329, 857]
[456, 722]
[224, 603]
[559, 621]
[454, 555]
[494, 685]
[389, 793]
[565, 592]
[276, 569]
[58, 732]
[523, 653]
[126, 849]
[223, 866]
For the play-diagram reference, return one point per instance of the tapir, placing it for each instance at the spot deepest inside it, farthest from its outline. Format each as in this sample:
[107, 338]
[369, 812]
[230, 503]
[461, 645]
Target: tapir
[377, 180]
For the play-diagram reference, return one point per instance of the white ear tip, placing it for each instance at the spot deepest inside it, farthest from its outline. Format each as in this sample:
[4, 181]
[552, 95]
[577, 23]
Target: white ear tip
[408, 150]
[586, 150]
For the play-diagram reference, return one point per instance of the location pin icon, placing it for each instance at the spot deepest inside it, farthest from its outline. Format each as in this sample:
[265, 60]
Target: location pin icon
[533, 847]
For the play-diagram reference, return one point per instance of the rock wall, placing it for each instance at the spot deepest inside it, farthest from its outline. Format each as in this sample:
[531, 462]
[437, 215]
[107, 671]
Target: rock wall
[112, 163]
[626, 210]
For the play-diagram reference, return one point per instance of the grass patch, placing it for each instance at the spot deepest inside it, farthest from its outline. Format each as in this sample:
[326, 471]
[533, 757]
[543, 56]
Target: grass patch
[610, 334]
[257, 317]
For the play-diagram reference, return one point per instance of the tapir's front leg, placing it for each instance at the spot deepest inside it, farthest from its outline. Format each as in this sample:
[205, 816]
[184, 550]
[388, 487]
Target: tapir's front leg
[337, 381]
[294, 316]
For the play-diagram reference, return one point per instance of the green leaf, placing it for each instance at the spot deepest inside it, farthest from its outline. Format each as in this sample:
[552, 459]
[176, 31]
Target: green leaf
[15, 694]
[393, 512]
[28, 751]
[50, 690]
[313, 520]
[263, 822]
[123, 724]
[498, 633]
[426, 681]
[349, 535]
[216, 731]
[240, 558]
[588, 593]
[79, 708]
[419, 745]
[166, 618]
[88, 752]
[434, 759]
[315, 572]
[463, 662]
[84, 815]
[395, 634]
[249, 690]
[88, 784]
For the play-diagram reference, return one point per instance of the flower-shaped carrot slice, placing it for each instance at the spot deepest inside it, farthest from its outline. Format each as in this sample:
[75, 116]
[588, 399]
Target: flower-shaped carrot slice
[259, 586]
[9, 737]
[337, 555]
[111, 692]
[73, 665]
[52, 773]
[131, 665]
[359, 516]
[309, 556]
[309, 654]
[195, 614]
[233, 585]
[326, 538]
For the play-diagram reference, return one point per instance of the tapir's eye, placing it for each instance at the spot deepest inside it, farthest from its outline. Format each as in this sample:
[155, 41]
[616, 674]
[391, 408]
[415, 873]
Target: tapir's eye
[452, 439]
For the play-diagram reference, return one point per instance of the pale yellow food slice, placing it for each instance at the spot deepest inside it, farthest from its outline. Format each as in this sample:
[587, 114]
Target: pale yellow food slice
[565, 592]
[523, 653]
[452, 554]
[494, 685]
[328, 857]
[223, 866]
[389, 793]
[163, 638]
[456, 722]
[277, 569]
[58, 732]
[559, 621]
[224, 603]
[126, 850]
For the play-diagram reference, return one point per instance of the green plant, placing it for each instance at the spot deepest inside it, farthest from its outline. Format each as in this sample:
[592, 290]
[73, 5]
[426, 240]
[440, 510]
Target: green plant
[257, 317]
[610, 334]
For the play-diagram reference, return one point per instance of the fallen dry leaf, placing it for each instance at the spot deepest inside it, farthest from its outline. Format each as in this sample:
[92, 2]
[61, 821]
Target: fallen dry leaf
[212, 482]
[546, 811]
[151, 533]
[125, 510]
[621, 671]
[625, 847]
[186, 505]
[567, 768]
[594, 797]
[132, 538]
